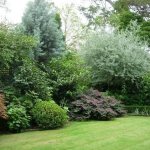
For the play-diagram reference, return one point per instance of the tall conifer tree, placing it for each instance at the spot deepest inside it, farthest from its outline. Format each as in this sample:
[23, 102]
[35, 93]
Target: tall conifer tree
[40, 21]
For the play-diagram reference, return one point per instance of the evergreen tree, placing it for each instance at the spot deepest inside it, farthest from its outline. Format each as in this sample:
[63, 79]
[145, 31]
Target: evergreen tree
[40, 21]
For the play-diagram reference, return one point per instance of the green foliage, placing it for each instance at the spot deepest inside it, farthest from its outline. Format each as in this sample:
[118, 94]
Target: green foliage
[69, 77]
[121, 5]
[116, 64]
[137, 96]
[140, 7]
[28, 101]
[18, 119]
[126, 17]
[92, 105]
[144, 32]
[29, 84]
[20, 75]
[30, 78]
[145, 88]
[14, 47]
[11, 94]
[124, 20]
[133, 10]
[14, 44]
[49, 115]
[22, 79]
[138, 110]
[41, 21]
[58, 20]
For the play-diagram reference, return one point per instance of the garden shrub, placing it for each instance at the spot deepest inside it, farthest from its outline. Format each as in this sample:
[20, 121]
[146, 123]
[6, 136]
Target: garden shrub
[49, 115]
[11, 94]
[116, 105]
[136, 95]
[145, 89]
[14, 48]
[19, 73]
[28, 102]
[18, 119]
[69, 77]
[29, 78]
[92, 105]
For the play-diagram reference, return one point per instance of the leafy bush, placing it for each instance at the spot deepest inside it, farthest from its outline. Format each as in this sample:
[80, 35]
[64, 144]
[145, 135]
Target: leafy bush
[49, 115]
[144, 93]
[92, 105]
[19, 74]
[18, 119]
[30, 78]
[136, 96]
[69, 77]
[28, 101]
[128, 97]
[11, 94]
[145, 31]
[14, 48]
[116, 64]
[126, 17]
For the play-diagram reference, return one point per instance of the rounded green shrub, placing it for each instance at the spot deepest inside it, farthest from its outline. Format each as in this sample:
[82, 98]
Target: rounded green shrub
[48, 115]
[18, 120]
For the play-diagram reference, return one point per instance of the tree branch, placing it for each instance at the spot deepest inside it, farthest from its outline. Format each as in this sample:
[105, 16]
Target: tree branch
[110, 2]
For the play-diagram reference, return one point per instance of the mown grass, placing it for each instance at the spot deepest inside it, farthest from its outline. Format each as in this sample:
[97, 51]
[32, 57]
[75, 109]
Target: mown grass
[129, 133]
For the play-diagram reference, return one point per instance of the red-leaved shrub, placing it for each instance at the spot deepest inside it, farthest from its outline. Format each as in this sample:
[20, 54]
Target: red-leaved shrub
[3, 114]
[92, 105]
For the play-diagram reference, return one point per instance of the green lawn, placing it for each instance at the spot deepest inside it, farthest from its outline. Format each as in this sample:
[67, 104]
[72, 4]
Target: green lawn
[129, 133]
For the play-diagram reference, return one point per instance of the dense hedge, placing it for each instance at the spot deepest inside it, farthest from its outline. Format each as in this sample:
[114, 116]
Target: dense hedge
[138, 110]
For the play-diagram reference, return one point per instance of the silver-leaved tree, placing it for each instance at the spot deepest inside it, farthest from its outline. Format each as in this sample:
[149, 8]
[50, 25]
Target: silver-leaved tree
[116, 58]
[41, 20]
